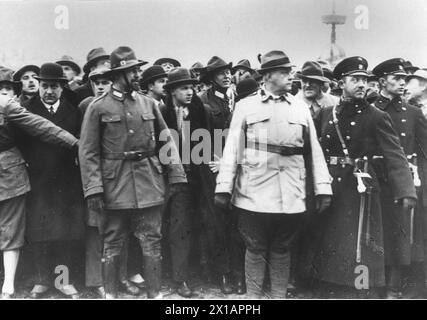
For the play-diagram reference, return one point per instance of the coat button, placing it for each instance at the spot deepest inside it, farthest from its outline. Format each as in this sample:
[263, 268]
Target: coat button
[403, 134]
[359, 111]
[404, 108]
[347, 137]
[339, 179]
[353, 123]
[131, 131]
[129, 114]
[330, 122]
[328, 136]
[400, 101]
[327, 150]
[403, 120]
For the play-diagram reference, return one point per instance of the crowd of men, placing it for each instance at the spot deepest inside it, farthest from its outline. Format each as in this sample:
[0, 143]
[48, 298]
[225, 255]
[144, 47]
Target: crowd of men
[311, 185]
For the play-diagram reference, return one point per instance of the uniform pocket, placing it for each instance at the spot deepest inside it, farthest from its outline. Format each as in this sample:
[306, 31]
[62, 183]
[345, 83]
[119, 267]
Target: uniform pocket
[148, 125]
[14, 171]
[112, 125]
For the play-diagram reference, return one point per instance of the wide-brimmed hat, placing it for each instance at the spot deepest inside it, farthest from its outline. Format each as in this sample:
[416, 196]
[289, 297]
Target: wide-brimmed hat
[312, 70]
[355, 66]
[160, 61]
[274, 60]
[179, 76]
[101, 71]
[246, 87]
[152, 74]
[124, 58]
[6, 76]
[390, 67]
[197, 67]
[328, 74]
[29, 67]
[419, 74]
[51, 72]
[94, 56]
[243, 64]
[69, 61]
[216, 64]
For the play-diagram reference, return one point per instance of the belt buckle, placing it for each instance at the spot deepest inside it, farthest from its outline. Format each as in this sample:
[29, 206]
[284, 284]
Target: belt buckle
[333, 161]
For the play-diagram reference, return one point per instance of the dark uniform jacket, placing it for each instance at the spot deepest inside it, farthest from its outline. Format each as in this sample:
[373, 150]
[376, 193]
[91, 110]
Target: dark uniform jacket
[367, 131]
[55, 205]
[116, 123]
[13, 173]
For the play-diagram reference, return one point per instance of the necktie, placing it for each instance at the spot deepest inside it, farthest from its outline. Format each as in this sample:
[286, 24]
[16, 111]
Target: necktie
[180, 117]
[51, 111]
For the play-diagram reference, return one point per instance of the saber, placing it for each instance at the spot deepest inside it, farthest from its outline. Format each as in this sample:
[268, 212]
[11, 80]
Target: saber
[417, 183]
[411, 230]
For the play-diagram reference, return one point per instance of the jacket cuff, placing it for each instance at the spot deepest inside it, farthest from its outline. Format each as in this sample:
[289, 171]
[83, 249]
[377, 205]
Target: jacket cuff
[323, 188]
[177, 179]
[93, 190]
[222, 187]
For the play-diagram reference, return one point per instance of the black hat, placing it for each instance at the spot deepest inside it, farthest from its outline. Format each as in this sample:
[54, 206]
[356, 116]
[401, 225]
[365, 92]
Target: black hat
[197, 67]
[312, 70]
[179, 76]
[246, 87]
[69, 61]
[243, 64]
[93, 57]
[152, 74]
[160, 61]
[124, 58]
[6, 75]
[29, 67]
[407, 65]
[356, 66]
[100, 72]
[392, 66]
[215, 64]
[372, 77]
[51, 71]
[328, 74]
[274, 60]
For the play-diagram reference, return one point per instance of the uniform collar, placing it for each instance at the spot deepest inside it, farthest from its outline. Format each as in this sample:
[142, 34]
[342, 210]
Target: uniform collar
[382, 102]
[267, 95]
[351, 106]
[120, 95]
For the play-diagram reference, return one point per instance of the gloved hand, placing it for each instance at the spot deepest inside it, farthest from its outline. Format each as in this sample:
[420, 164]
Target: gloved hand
[323, 201]
[95, 202]
[222, 200]
[407, 203]
[177, 187]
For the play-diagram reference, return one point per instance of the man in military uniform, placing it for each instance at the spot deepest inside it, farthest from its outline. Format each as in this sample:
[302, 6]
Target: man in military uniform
[411, 127]
[29, 84]
[123, 177]
[263, 173]
[351, 134]
[14, 181]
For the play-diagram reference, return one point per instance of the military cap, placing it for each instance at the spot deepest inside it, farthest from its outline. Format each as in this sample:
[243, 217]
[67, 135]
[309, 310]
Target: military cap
[124, 58]
[355, 66]
[392, 66]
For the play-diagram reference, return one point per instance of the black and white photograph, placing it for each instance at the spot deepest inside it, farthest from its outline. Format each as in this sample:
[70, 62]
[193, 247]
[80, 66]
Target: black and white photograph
[230, 151]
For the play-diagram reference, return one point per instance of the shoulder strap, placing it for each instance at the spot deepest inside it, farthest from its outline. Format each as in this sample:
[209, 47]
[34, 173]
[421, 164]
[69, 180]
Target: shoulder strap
[337, 129]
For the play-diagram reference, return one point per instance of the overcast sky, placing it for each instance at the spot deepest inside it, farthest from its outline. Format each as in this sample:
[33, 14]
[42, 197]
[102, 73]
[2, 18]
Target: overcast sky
[195, 30]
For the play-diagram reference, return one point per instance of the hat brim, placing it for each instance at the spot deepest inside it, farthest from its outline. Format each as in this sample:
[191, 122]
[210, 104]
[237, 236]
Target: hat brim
[168, 60]
[235, 68]
[63, 80]
[413, 76]
[31, 67]
[71, 64]
[91, 62]
[216, 69]
[269, 69]
[134, 63]
[318, 78]
[356, 73]
[177, 83]
[145, 82]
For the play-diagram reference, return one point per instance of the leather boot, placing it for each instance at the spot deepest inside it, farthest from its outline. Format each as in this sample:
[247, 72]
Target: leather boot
[110, 276]
[152, 275]
[279, 268]
[255, 265]
[225, 284]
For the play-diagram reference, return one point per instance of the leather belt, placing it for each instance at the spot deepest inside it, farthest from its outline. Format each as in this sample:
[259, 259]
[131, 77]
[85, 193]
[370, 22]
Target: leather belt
[282, 150]
[340, 161]
[128, 155]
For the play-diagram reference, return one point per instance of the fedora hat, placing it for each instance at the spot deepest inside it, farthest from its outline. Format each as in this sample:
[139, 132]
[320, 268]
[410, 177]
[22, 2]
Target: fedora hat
[51, 71]
[197, 67]
[243, 64]
[152, 74]
[160, 61]
[419, 74]
[94, 56]
[29, 67]
[312, 70]
[274, 60]
[215, 64]
[124, 58]
[101, 71]
[69, 61]
[6, 76]
[246, 87]
[179, 76]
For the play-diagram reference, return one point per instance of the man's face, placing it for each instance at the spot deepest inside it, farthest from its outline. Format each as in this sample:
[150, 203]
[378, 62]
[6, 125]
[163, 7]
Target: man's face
[394, 85]
[311, 88]
[69, 72]
[131, 75]
[223, 78]
[241, 74]
[50, 91]
[100, 63]
[30, 85]
[373, 86]
[354, 86]
[183, 94]
[281, 79]
[6, 89]
[167, 66]
[415, 88]
[157, 87]
[101, 85]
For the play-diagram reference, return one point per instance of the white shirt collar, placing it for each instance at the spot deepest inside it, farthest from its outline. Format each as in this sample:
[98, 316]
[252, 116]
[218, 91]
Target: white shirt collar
[55, 105]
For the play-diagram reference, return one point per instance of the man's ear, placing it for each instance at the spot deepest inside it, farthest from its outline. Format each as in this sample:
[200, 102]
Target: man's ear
[341, 83]
[382, 81]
